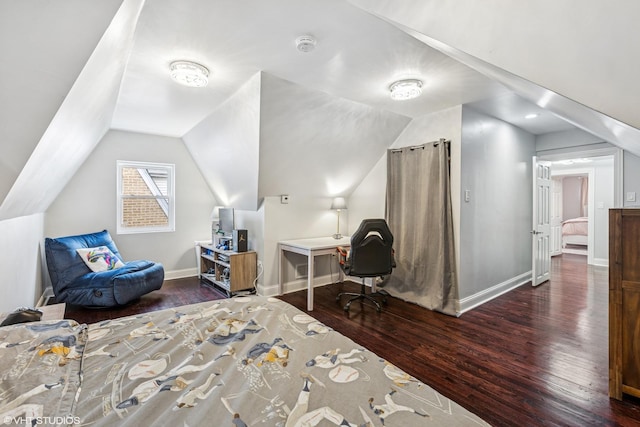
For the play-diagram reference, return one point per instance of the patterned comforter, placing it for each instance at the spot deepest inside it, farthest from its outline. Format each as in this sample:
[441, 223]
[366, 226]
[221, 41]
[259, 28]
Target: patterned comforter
[247, 361]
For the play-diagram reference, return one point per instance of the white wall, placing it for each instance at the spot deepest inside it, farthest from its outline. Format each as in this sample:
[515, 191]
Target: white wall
[21, 255]
[88, 202]
[313, 144]
[78, 125]
[226, 147]
[300, 218]
[495, 223]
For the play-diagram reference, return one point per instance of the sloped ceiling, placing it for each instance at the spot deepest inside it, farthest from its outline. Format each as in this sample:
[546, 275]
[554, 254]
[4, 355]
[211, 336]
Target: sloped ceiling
[357, 57]
[276, 137]
[72, 69]
[44, 47]
[313, 144]
[81, 121]
[567, 57]
[226, 145]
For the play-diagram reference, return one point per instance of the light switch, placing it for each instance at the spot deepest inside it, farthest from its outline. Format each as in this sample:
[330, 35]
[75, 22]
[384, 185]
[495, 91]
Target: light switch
[631, 196]
[600, 205]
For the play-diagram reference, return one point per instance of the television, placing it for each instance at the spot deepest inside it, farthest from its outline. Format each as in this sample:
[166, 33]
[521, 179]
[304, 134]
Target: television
[226, 221]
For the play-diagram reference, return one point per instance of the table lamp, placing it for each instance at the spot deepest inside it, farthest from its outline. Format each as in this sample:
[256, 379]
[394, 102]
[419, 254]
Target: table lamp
[338, 204]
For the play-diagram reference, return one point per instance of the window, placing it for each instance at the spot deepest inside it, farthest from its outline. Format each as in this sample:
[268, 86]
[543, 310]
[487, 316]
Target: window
[146, 198]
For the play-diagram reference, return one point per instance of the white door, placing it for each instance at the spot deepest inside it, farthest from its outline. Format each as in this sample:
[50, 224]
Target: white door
[556, 216]
[541, 255]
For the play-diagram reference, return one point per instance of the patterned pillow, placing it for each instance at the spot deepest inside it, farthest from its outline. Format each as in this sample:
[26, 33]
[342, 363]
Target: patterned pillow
[100, 258]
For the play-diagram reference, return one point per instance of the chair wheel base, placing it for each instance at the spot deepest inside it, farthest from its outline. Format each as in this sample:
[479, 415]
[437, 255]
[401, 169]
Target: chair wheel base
[362, 297]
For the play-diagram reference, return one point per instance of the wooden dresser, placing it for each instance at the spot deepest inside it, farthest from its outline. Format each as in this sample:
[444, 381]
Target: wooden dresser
[624, 302]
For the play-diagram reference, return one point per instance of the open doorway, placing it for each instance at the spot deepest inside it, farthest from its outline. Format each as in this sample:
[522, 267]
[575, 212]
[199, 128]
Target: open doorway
[584, 189]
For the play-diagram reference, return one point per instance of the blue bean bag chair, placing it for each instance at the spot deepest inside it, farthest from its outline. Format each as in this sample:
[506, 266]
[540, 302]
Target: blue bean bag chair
[88, 270]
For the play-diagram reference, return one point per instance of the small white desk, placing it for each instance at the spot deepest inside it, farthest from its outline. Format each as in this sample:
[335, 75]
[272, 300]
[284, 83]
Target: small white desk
[311, 248]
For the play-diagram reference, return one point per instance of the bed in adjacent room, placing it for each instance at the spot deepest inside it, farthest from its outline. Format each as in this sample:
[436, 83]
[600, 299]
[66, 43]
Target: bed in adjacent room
[246, 361]
[575, 232]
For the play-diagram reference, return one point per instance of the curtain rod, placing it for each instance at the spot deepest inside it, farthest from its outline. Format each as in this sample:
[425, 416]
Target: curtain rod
[415, 147]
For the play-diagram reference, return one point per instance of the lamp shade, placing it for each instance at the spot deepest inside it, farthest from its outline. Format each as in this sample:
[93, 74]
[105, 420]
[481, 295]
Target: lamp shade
[339, 203]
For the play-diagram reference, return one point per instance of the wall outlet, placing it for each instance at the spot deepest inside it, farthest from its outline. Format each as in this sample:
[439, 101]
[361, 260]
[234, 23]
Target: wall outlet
[284, 199]
[631, 196]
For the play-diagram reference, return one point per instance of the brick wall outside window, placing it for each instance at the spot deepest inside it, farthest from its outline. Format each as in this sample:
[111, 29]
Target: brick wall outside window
[139, 212]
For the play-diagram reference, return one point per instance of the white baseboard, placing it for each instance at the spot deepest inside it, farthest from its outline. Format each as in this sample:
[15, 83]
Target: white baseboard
[45, 297]
[180, 274]
[602, 262]
[495, 291]
[574, 251]
[300, 284]
[268, 291]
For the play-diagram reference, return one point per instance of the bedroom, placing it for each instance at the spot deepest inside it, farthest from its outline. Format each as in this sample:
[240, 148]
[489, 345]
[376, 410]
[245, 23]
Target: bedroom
[48, 199]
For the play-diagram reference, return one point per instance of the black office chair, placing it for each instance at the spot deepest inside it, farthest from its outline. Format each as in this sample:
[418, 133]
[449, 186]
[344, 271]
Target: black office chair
[371, 255]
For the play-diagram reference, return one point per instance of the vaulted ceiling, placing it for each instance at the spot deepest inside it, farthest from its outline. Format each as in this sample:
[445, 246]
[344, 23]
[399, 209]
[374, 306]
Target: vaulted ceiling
[71, 70]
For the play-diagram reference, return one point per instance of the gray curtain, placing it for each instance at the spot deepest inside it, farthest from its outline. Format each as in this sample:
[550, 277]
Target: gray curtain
[418, 211]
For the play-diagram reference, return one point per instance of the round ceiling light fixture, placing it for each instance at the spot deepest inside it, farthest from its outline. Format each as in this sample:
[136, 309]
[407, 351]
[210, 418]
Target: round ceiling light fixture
[305, 43]
[189, 73]
[405, 89]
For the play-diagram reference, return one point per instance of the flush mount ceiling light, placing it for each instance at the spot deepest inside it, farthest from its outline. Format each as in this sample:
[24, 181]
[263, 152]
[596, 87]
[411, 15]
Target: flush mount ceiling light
[531, 116]
[305, 43]
[405, 89]
[189, 73]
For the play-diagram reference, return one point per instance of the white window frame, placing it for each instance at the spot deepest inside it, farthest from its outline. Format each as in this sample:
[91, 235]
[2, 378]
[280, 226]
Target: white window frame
[169, 207]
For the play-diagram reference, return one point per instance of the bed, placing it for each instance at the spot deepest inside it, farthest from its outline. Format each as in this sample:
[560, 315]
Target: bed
[575, 232]
[245, 361]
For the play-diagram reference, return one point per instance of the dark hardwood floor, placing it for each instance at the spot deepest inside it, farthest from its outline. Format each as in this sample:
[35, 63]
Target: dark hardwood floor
[531, 357]
[173, 293]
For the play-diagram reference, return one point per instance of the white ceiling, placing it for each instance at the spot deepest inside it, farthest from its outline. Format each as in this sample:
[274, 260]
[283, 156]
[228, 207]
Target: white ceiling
[74, 93]
[357, 57]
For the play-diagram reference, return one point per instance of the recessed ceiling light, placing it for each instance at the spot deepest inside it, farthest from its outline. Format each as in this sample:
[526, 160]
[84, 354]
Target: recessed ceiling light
[405, 89]
[531, 116]
[189, 73]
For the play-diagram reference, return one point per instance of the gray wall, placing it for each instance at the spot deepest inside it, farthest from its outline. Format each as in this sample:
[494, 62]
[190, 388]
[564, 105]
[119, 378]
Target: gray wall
[631, 179]
[492, 160]
[88, 202]
[495, 223]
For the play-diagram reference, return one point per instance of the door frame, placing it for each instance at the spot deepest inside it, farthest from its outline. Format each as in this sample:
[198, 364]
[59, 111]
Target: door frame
[618, 167]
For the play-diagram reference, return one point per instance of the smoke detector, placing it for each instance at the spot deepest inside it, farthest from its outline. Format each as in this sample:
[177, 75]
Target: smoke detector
[306, 43]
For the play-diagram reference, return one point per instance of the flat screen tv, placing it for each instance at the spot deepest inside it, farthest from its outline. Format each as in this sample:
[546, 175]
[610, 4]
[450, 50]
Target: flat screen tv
[226, 221]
